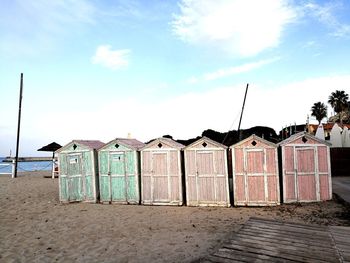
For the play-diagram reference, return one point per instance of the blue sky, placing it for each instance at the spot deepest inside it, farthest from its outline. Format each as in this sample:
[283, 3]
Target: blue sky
[103, 69]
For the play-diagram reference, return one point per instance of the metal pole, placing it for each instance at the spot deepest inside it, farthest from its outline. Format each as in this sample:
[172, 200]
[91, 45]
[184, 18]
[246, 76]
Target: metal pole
[240, 119]
[19, 124]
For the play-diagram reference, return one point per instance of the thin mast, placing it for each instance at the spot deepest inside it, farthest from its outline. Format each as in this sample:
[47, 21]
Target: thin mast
[19, 124]
[240, 119]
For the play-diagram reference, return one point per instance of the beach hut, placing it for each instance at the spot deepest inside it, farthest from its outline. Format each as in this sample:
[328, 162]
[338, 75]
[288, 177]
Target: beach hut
[206, 174]
[78, 176]
[119, 171]
[161, 176]
[255, 172]
[306, 172]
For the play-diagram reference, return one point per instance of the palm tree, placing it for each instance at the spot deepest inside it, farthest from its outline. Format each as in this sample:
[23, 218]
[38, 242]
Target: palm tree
[319, 110]
[339, 102]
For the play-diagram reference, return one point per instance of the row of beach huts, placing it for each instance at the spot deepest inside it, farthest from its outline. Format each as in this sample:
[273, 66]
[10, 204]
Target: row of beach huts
[165, 172]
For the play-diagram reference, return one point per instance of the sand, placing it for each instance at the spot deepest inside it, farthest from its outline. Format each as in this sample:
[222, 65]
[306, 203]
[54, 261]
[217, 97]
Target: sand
[35, 227]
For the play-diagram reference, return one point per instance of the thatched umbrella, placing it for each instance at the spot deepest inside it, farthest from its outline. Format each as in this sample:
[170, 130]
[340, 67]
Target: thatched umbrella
[52, 147]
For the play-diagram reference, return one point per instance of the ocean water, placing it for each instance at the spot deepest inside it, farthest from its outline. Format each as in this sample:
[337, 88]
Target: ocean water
[25, 166]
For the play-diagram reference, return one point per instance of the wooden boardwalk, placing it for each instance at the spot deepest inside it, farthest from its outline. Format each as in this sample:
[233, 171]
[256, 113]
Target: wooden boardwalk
[261, 240]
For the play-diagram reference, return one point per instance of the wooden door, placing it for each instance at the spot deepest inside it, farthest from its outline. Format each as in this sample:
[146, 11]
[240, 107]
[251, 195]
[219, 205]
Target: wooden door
[255, 183]
[118, 184]
[74, 177]
[206, 177]
[289, 175]
[160, 177]
[305, 170]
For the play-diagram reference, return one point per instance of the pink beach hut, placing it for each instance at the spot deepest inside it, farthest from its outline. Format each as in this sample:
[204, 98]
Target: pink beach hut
[255, 173]
[206, 174]
[306, 171]
[161, 176]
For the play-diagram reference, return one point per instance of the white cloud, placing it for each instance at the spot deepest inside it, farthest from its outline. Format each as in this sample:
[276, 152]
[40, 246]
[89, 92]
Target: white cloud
[113, 59]
[182, 116]
[187, 115]
[238, 69]
[243, 27]
[326, 14]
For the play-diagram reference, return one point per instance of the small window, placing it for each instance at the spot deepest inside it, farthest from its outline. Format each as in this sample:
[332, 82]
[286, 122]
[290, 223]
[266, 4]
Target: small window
[304, 139]
[204, 144]
[116, 145]
[160, 145]
[74, 146]
[254, 143]
[73, 160]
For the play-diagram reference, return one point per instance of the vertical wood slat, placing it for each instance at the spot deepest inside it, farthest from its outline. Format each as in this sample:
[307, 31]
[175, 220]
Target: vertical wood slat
[206, 174]
[311, 165]
[255, 172]
[77, 174]
[161, 181]
[119, 171]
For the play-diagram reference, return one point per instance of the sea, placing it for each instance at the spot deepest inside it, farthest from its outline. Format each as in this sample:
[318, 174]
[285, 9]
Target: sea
[6, 167]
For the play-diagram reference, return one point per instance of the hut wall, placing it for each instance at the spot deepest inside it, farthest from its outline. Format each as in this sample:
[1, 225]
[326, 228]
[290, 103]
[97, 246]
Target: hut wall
[206, 175]
[306, 171]
[255, 173]
[77, 181]
[161, 182]
[119, 177]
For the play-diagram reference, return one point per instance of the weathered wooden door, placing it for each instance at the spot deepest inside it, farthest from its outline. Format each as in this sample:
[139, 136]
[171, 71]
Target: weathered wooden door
[255, 179]
[206, 177]
[118, 184]
[305, 173]
[74, 177]
[160, 177]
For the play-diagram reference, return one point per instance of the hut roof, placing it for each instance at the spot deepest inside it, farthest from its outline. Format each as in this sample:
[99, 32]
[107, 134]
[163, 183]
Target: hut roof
[167, 141]
[303, 134]
[92, 144]
[254, 137]
[204, 138]
[129, 143]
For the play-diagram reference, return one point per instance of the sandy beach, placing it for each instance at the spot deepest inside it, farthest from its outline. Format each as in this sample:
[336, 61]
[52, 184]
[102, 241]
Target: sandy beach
[35, 227]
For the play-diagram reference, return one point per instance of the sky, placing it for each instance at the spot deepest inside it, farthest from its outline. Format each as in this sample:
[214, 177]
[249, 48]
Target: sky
[105, 69]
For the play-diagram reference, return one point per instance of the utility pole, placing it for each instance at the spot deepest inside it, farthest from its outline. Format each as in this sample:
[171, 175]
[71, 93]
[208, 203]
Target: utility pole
[19, 125]
[240, 119]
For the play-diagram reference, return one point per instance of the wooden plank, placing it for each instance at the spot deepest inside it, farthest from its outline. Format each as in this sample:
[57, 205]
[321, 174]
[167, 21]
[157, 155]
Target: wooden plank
[289, 253]
[271, 238]
[274, 241]
[288, 236]
[274, 222]
[289, 228]
[282, 245]
[289, 232]
[216, 259]
[244, 256]
[261, 240]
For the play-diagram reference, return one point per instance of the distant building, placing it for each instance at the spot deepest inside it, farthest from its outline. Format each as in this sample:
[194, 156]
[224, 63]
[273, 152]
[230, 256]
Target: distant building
[312, 128]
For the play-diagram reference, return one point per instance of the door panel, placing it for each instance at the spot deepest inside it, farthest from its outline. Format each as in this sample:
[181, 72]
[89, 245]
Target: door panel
[105, 195]
[205, 164]
[131, 188]
[255, 176]
[306, 174]
[74, 169]
[118, 188]
[206, 191]
[160, 177]
[206, 180]
[117, 176]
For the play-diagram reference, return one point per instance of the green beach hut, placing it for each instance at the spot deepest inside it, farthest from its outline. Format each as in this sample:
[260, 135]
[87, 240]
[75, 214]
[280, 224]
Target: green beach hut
[78, 175]
[119, 171]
